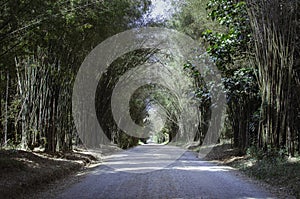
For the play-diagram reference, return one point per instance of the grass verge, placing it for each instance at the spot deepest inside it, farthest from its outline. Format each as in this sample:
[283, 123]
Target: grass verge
[281, 173]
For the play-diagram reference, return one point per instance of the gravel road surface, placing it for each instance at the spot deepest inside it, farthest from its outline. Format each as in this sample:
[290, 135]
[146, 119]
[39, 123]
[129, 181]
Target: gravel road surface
[155, 171]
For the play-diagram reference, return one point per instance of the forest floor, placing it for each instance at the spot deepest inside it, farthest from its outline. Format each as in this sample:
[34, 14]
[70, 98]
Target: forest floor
[23, 172]
[281, 174]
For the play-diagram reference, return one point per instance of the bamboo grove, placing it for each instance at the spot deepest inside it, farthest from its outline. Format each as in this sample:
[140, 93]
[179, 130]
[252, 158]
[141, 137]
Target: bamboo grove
[42, 46]
[256, 46]
[274, 26]
[254, 43]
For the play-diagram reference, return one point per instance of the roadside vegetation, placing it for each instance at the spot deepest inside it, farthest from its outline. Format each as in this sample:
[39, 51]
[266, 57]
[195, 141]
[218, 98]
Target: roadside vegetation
[277, 170]
[281, 173]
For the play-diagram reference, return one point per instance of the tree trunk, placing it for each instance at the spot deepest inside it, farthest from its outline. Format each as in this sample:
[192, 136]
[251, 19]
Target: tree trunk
[6, 109]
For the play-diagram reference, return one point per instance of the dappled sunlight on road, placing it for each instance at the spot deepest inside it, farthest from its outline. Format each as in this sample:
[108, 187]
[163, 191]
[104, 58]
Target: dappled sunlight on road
[204, 168]
[145, 158]
[157, 157]
[148, 172]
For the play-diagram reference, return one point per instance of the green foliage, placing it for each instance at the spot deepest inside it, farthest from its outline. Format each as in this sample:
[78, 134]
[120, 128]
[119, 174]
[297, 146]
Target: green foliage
[270, 155]
[241, 84]
[191, 19]
[125, 141]
[202, 92]
[154, 95]
[231, 45]
[161, 137]
[63, 27]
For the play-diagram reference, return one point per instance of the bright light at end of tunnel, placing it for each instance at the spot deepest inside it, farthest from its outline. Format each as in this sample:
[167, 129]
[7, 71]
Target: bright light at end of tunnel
[161, 9]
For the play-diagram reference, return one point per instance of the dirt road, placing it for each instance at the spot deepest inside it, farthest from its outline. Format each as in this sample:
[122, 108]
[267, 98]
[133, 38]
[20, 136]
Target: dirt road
[148, 171]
